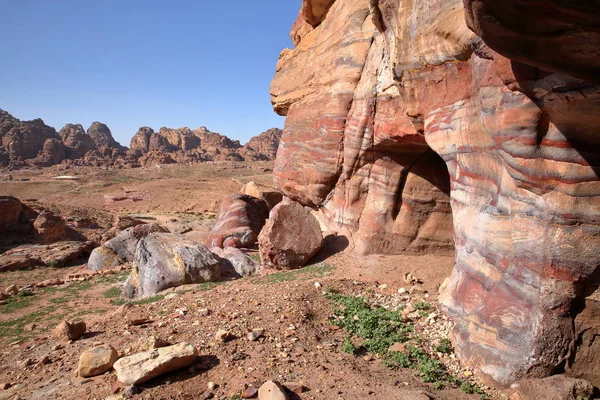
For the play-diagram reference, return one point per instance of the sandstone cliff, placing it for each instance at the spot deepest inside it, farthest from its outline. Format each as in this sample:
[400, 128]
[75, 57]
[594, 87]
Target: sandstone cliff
[422, 107]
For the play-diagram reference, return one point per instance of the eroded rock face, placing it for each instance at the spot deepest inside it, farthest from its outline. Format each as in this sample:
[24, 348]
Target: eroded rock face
[50, 227]
[77, 142]
[240, 219]
[400, 80]
[22, 140]
[103, 140]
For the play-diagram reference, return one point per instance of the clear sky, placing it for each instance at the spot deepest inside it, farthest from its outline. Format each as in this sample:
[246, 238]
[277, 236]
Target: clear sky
[132, 63]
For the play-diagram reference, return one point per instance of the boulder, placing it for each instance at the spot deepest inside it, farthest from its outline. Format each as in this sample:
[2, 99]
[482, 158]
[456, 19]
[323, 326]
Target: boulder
[164, 260]
[103, 258]
[290, 238]
[239, 221]
[50, 228]
[272, 198]
[67, 331]
[141, 367]
[235, 263]
[124, 244]
[557, 387]
[10, 210]
[77, 142]
[96, 360]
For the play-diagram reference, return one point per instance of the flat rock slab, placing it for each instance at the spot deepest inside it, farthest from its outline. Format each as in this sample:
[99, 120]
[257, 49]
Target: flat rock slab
[142, 367]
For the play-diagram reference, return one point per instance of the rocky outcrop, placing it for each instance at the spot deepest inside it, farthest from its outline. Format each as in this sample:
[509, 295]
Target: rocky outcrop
[239, 221]
[515, 126]
[290, 238]
[77, 142]
[32, 143]
[262, 147]
[103, 140]
[50, 227]
[10, 211]
[164, 260]
[22, 140]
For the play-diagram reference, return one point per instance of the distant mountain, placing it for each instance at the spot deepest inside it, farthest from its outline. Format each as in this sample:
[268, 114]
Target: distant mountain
[33, 143]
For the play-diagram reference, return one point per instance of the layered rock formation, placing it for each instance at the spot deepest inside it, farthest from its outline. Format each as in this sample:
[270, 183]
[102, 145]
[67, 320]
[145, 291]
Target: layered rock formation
[187, 146]
[33, 143]
[399, 80]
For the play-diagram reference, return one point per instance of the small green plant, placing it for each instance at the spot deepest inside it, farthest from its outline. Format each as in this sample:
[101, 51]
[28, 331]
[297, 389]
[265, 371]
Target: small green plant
[445, 346]
[53, 264]
[422, 305]
[349, 347]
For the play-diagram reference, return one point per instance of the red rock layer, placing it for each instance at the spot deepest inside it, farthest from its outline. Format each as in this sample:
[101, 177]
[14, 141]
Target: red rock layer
[397, 79]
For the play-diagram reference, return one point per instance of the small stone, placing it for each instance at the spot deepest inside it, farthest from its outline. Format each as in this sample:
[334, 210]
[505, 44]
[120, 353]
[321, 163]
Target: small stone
[12, 290]
[271, 390]
[4, 386]
[212, 386]
[171, 296]
[67, 331]
[255, 334]
[45, 360]
[223, 336]
[96, 360]
[317, 285]
[29, 327]
[401, 291]
[368, 358]
[25, 363]
[382, 287]
[250, 392]
[57, 347]
[131, 390]
[205, 312]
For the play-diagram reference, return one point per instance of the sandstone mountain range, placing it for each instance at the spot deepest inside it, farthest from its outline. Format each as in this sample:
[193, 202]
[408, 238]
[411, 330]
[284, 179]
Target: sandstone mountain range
[33, 143]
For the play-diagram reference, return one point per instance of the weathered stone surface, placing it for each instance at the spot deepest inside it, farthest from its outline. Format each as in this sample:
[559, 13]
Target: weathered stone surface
[240, 219]
[57, 254]
[551, 35]
[290, 238]
[124, 244]
[271, 390]
[400, 79]
[97, 360]
[270, 197]
[103, 258]
[50, 228]
[142, 367]
[67, 331]
[234, 262]
[557, 387]
[164, 260]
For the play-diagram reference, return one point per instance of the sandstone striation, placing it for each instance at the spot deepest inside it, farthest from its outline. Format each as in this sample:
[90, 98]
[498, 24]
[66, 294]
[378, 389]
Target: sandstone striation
[240, 220]
[413, 115]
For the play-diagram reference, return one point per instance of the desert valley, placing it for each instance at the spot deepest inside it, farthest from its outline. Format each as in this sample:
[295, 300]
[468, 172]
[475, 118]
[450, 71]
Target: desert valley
[426, 225]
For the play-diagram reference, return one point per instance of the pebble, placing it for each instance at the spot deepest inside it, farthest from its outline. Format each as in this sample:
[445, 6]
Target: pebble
[212, 386]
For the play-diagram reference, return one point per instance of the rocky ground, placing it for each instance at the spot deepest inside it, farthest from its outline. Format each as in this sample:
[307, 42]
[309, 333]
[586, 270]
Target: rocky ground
[294, 314]
[298, 337]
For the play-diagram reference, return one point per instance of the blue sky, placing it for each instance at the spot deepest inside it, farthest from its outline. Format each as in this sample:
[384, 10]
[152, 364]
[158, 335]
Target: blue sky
[130, 63]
